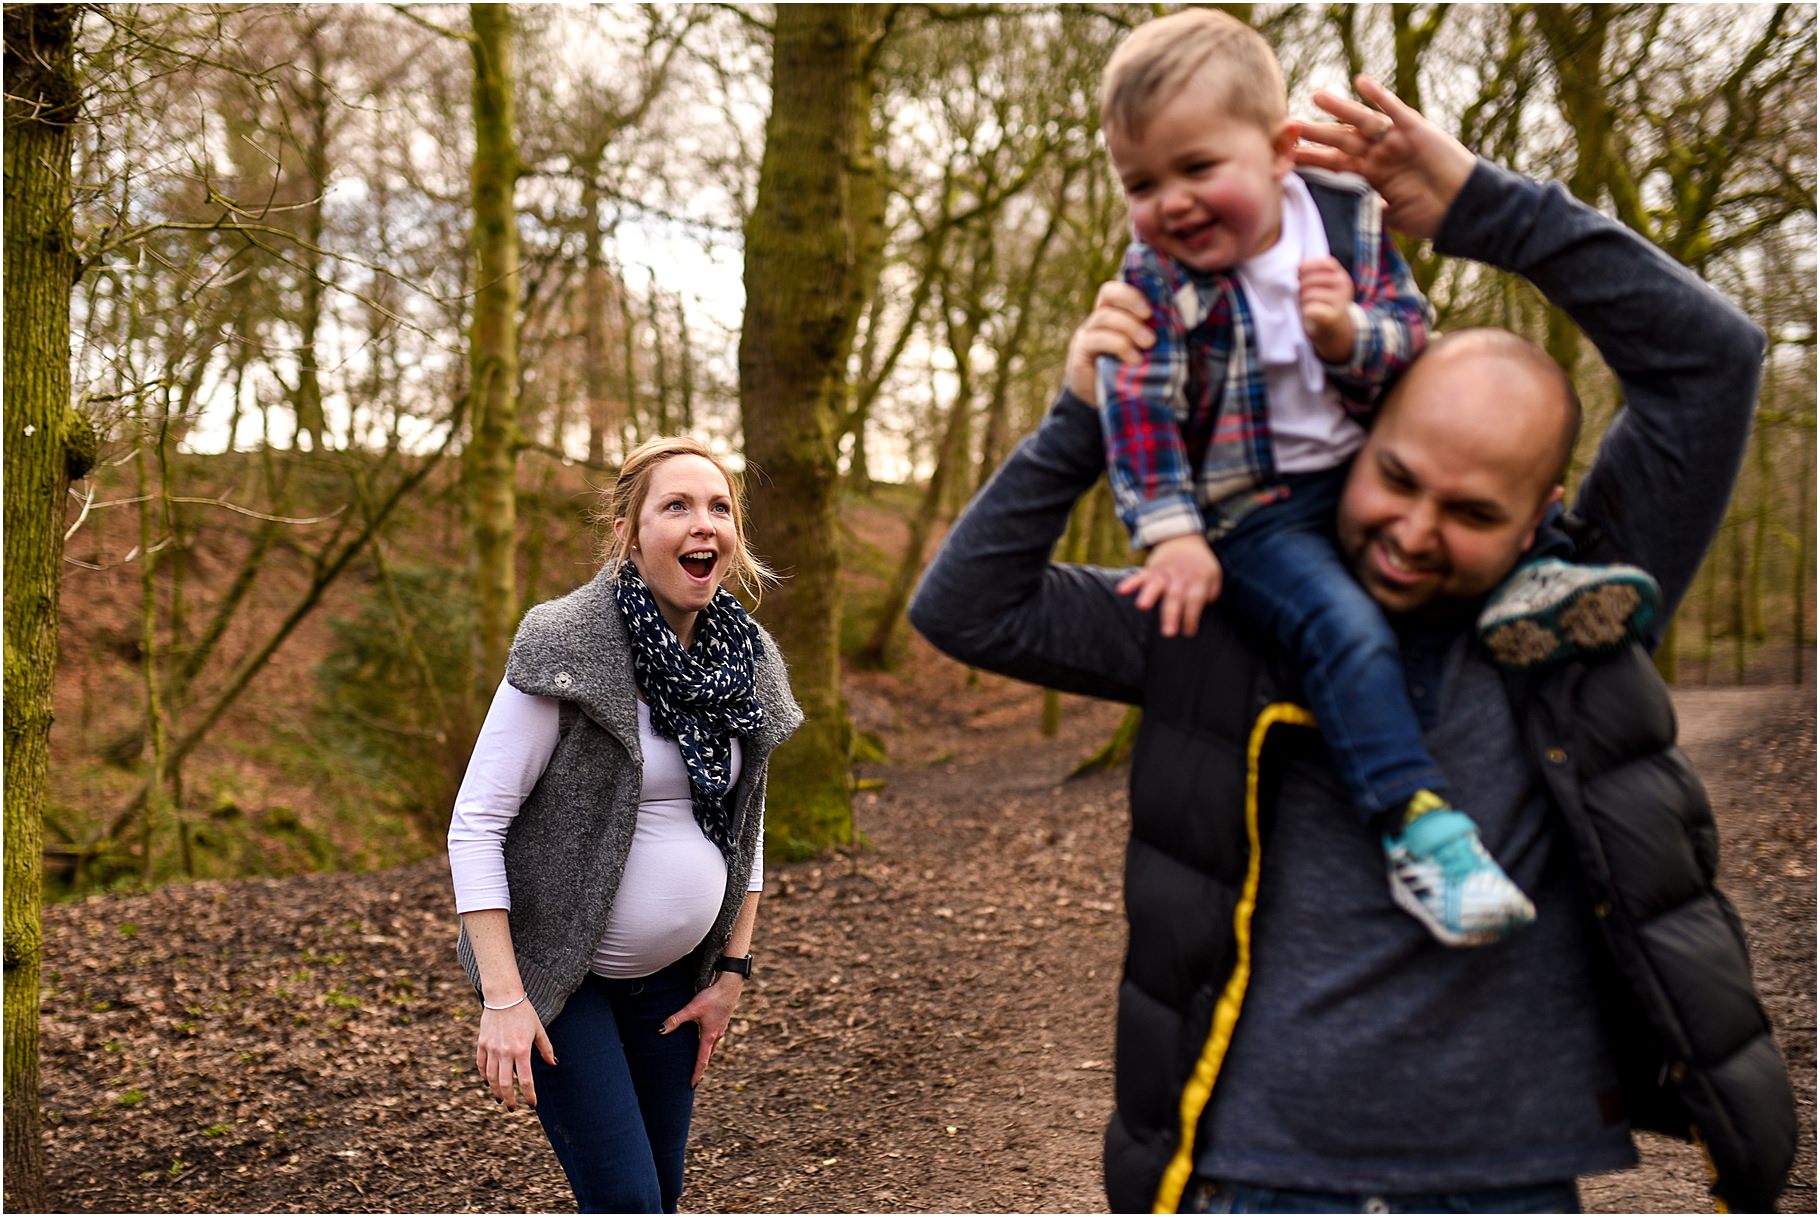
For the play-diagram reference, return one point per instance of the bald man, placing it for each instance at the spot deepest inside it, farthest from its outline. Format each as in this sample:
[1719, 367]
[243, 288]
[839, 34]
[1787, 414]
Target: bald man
[1287, 1039]
[1446, 497]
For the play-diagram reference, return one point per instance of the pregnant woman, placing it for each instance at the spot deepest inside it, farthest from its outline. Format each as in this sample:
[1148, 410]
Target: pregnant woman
[606, 843]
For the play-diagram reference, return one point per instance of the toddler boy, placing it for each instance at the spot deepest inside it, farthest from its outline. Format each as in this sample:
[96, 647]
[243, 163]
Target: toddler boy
[1236, 428]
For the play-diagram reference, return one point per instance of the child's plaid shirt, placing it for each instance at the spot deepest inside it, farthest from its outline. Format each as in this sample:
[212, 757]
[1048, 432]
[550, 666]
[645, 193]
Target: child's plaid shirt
[1187, 428]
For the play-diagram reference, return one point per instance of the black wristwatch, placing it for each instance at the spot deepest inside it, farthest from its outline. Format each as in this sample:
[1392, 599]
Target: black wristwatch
[735, 963]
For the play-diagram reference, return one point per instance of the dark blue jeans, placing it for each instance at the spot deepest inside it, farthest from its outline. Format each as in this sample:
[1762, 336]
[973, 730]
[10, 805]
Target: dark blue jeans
[617, 1103]
[1214, 1196]
[1285, 576]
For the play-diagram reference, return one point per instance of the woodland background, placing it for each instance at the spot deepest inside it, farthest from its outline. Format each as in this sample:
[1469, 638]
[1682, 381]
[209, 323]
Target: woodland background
[324, 323]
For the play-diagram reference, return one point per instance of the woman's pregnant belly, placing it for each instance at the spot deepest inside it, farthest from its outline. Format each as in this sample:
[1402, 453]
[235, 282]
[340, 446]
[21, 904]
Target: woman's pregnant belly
[668, 897]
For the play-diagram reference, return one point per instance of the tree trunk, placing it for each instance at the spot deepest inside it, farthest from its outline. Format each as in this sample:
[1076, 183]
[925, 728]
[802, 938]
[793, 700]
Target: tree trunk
[800, 254]
[1802, 586]
[1576, 39]
[47, 443]
[1740, 627]
[1764, 494]
[685, 371]
[660, 358]
[1668, 654]
[1709, 618]
[148, 660]
[997, 437]
[489, 461]
[630, 428]
[315, 103]
[1115, 751]
[598, 325]
[948, 462]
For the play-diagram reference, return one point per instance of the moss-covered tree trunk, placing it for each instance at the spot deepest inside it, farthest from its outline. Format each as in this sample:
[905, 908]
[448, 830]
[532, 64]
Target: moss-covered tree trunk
[489, 461]
[315, 103]
[801, 254]
[599, 327]
[1804, 483]
[1576, 36]
[46, 444]
[685, 370]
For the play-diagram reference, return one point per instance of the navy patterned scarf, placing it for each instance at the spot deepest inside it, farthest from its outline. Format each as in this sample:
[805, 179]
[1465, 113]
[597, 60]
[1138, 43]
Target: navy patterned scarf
[699, 697]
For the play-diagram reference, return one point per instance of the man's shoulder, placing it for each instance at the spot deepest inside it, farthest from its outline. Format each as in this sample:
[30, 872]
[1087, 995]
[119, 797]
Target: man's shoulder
[1332, 182]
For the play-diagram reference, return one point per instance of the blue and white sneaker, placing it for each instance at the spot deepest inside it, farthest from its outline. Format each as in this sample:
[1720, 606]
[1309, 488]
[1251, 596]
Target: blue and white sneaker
[1551, 610]
[1441, 875]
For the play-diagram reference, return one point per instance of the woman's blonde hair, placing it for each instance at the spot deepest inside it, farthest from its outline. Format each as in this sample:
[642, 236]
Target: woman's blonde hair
[625, 498]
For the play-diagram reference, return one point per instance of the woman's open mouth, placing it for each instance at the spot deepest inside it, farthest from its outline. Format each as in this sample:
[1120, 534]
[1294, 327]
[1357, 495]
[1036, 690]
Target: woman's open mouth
[699, 563]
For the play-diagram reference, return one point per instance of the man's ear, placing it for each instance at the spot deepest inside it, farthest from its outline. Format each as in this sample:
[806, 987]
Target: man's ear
[1554, 496]
[1282, 146]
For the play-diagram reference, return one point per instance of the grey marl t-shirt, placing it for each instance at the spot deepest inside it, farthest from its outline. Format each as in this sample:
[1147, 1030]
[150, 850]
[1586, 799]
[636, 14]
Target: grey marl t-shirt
[1369, 1057]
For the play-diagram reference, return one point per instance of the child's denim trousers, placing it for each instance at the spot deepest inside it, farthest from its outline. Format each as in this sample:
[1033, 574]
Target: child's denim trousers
[1284, 576]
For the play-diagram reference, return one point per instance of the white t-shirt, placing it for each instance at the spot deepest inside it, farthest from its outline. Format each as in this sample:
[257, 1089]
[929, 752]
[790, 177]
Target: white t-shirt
[1309, 430]
[675, 877]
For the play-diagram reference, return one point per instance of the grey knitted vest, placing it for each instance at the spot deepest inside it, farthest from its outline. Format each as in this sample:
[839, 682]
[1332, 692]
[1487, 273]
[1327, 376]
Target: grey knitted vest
[566, 849]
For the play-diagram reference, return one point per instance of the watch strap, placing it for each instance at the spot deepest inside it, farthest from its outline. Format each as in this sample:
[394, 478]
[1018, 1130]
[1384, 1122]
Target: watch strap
[734, 963]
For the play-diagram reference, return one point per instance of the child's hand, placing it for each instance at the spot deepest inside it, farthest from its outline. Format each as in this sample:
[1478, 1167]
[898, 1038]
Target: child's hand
[1326, 302]
[1181, 572]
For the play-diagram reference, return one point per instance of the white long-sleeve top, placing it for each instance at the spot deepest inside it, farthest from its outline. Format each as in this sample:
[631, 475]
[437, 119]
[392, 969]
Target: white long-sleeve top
[674, 878]
[1309, 430]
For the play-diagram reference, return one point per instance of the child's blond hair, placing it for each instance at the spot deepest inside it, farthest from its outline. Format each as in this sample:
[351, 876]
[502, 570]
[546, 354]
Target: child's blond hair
[1161, 57]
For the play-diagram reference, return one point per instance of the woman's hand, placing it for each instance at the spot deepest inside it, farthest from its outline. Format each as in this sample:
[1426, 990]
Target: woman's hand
[1119, 326]
[1418, 168]
[711, 1010]
[503, 1052]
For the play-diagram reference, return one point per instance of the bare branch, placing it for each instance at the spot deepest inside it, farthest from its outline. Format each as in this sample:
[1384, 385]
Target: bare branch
[88, 501]
[559, 455]
[223, 503]
[740, 11]
[405, 12]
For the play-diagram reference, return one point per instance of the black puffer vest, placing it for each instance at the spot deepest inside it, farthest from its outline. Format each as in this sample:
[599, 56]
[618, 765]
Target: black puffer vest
[1693, 1043]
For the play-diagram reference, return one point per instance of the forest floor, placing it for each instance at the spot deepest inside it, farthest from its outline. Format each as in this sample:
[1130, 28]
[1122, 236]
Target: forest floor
[930, 1027]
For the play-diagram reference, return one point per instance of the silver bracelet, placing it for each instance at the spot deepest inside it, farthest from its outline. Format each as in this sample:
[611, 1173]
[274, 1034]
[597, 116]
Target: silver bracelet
[487, 1005]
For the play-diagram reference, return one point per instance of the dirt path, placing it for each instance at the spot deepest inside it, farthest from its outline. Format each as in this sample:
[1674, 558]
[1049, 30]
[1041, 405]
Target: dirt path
[930, 1030]
[1754, 749]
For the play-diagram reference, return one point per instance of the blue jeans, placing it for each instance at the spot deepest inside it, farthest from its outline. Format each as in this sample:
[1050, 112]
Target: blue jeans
[617, 1103]
[1285, 577]
[1215, 1196]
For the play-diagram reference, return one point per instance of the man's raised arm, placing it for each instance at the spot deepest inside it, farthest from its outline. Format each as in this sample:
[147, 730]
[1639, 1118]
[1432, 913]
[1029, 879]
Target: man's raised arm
[1687, 360]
